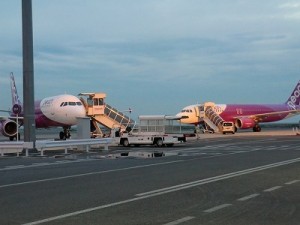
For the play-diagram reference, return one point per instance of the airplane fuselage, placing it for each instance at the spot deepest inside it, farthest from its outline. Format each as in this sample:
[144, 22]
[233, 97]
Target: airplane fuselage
[231, 112]
[235, 111]
[61, 110]
[57, 111]
[243, 115]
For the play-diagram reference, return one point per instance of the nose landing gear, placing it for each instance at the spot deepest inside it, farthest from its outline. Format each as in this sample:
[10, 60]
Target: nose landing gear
[63, 135]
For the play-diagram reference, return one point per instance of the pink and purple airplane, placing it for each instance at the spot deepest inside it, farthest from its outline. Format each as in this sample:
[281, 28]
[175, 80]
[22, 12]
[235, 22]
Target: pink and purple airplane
[245, 116]
[56, 111]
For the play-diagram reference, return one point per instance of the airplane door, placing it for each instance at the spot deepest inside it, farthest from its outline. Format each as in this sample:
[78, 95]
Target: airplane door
[197, 111]
[201, 112]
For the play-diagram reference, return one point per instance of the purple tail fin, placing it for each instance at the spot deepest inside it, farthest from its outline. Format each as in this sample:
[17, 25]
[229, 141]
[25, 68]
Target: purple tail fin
[294, 99]
[14, 94]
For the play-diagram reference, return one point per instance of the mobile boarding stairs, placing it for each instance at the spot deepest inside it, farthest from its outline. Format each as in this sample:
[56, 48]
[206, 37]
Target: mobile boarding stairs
[212, 119]
[103, 114]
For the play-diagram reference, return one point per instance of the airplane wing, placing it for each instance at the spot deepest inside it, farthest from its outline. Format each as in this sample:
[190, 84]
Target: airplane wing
[3, 118]
[13, 118]
[7, 111]
[263, 116]
[174, 117]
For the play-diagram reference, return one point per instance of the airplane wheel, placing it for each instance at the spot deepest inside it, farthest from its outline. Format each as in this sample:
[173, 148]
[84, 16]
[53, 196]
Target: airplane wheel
[62, 135]
[125, 143]
[159, 142]
[256, 129]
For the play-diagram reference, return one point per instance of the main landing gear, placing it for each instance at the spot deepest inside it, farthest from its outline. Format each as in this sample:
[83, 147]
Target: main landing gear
[17, 137]
[63, 135]
[256, 128]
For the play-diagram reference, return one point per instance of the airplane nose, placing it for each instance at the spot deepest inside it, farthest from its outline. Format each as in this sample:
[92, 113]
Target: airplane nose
[81, 112]
[77, 112]
[182, 116]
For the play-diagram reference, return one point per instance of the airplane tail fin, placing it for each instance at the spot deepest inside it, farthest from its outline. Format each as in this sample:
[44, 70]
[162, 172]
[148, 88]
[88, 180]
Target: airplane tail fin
[294, 99]
[14, 94]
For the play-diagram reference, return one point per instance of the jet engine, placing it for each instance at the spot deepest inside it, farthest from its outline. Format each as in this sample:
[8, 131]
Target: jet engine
[245, 123]
[8, 128]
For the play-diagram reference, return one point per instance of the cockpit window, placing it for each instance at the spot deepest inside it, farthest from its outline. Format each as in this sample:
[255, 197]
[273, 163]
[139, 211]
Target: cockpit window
[187, 110]
[70, 103]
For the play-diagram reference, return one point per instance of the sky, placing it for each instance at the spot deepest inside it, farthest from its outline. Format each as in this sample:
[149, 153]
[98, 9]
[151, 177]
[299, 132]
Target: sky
[156, 56]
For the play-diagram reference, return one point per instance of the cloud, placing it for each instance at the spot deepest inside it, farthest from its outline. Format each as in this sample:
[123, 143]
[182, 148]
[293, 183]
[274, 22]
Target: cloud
[162, 52]
[290, 5]
[291, 10]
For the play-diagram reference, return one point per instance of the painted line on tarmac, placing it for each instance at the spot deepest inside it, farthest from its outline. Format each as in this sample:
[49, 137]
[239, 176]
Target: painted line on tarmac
[168, 190]
[223, 145]
[217, 178]
[41, 164]
[272, 188]
[271, 147]
[245, 198]
[14, 167]
[88, 174]
[179, 221]
[292, 182]
[109, 171]
[216, 208]
[44, 164]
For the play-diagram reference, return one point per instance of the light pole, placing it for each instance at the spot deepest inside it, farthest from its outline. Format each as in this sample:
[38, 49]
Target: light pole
[28, 76]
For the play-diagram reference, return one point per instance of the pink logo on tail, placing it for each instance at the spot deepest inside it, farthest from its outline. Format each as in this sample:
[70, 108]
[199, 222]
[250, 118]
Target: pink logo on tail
[293, 101]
